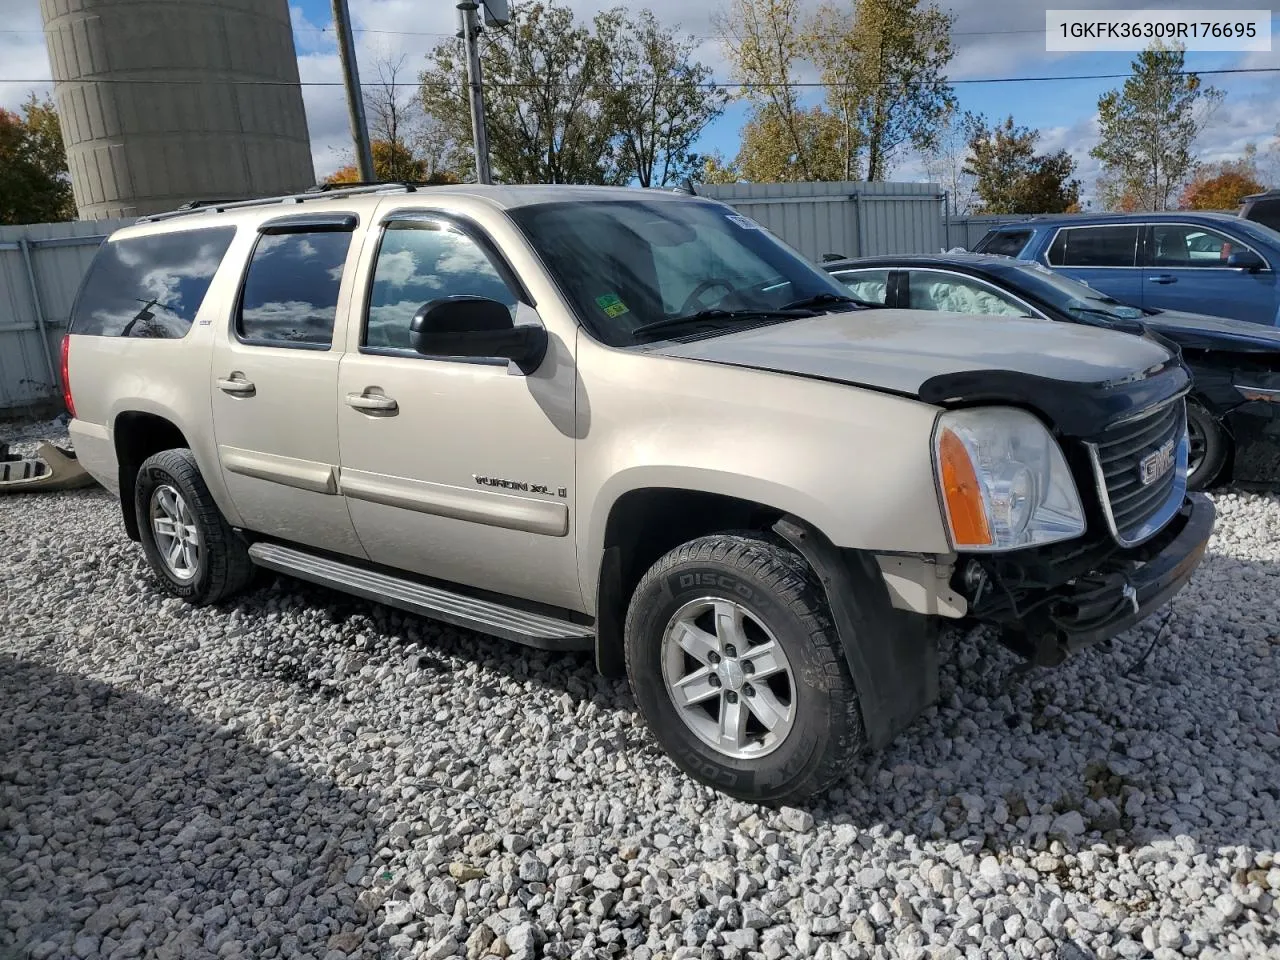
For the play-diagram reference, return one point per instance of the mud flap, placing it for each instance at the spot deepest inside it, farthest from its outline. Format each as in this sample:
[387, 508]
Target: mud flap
[892, 654]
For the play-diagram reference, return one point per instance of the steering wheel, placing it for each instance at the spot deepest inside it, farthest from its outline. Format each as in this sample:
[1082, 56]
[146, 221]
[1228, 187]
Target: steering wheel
[694, 300]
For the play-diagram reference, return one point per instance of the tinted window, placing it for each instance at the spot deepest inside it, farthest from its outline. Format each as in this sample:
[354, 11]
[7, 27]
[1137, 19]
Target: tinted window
[935, 290]
[149, 286]
[1184, 245]
[291, 288]
[1004, 243]
[1095, 247]
[871, 286]
[1266, 212]
[627, 263]
[420, 261]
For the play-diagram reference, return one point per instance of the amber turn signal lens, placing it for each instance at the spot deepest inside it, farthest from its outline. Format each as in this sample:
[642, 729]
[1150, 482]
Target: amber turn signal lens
[963, 495]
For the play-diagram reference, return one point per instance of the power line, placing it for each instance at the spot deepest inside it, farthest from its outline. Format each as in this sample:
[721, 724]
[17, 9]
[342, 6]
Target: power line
[710, 85]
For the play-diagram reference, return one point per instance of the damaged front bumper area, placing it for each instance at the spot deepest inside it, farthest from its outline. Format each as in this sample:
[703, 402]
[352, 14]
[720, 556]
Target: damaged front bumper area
[1054, 601]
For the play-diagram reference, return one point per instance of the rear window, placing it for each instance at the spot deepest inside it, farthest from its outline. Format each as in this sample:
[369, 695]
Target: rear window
[1266, 212]
[1004, 243]
[149, 286]
[1110, 246]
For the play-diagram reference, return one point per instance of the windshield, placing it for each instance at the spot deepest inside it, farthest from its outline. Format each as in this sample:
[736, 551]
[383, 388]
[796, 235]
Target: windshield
[1072, 296]
[626, 264]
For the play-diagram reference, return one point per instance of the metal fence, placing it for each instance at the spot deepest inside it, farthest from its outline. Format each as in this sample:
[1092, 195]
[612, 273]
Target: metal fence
[40, 270]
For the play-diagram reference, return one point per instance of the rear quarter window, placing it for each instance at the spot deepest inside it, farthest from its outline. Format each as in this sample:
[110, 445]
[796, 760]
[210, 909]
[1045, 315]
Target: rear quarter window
[150, 286]
[1004, 243]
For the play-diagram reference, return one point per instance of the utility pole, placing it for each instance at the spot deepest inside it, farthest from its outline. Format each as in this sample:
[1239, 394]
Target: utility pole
[469, 23]
[355, 99]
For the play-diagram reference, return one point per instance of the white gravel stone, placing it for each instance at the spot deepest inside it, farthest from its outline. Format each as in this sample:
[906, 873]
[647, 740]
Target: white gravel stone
[300, 774]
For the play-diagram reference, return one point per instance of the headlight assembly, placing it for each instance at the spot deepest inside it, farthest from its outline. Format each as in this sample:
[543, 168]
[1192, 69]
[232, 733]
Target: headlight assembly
[1003, 481]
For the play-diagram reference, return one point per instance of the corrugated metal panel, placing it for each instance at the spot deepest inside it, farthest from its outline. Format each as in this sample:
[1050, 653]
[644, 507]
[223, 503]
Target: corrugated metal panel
[850, 218]
[60, 254]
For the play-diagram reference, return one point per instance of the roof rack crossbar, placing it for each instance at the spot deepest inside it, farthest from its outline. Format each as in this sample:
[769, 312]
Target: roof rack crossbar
[217, 206]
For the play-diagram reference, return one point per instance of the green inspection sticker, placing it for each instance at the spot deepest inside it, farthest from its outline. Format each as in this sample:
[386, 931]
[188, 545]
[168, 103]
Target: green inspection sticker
[611, 305]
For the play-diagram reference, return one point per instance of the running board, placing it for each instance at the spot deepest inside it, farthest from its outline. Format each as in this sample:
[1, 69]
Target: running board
[483, 616]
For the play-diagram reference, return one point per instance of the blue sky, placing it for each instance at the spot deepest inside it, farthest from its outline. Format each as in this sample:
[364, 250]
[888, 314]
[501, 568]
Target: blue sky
[992, 37]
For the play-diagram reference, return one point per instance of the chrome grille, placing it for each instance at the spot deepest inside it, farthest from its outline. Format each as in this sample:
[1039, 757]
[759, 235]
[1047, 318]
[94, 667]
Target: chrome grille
[1137, 509]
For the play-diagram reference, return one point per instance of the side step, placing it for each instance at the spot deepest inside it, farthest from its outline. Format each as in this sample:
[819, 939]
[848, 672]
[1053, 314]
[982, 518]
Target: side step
[484, 616]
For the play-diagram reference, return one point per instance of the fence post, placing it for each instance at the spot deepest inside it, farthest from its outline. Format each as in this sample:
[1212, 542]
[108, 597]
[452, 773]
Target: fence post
[25, 245]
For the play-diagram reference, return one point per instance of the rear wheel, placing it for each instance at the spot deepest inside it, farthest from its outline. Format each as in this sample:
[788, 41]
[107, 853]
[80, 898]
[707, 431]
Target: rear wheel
[736, 666]
[1209, 445]
[187, 541]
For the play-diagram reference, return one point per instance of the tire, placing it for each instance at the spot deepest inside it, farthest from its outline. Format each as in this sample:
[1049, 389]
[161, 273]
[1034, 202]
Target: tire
[1210, 447]
[778, 599]
[219, 565]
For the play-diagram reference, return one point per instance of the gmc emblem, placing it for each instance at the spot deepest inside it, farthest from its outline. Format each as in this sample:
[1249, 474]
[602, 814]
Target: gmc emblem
[1155, 465]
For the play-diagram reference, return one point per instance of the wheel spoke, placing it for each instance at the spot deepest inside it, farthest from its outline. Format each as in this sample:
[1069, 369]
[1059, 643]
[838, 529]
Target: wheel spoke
[764, 661]
[729, 626]
[695, 688]
[733, 723]
[768, 709]
[696, 643]
[164, 527]
[175, 551]
[189, 556]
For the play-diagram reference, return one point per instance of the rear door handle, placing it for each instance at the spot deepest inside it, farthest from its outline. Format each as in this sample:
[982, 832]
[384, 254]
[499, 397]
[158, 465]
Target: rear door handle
[236, 385]
[1163, 278]
[372, 403]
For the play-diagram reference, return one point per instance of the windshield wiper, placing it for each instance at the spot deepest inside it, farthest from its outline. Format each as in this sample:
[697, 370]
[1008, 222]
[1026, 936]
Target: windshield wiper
[824, 299]
[716, 314]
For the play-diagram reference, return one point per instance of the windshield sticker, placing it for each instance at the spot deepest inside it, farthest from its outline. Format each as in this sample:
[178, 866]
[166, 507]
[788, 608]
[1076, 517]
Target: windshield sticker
[611, 305]
[743, 222]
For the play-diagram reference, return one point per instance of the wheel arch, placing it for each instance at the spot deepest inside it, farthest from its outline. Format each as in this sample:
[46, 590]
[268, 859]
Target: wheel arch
[137, 434]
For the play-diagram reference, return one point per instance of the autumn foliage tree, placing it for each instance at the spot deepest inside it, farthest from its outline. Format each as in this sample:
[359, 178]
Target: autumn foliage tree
[393, 162]
[35, 186]
[1221, 186]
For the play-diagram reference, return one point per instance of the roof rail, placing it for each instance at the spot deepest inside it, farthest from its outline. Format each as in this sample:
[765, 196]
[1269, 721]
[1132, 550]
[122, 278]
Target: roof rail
[319, 192]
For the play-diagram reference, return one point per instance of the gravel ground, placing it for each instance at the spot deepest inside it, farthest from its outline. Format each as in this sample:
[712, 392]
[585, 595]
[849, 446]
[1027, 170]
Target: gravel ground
[305, 775]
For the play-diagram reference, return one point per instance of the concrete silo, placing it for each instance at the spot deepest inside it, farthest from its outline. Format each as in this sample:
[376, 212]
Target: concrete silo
[164, 101]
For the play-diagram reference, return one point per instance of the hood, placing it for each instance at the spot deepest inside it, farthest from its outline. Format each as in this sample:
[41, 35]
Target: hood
[1198, 331]
[899, 350]
[1081, 379]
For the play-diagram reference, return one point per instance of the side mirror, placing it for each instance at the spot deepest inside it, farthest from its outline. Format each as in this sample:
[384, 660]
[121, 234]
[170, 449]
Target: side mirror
[1246, 260]
[476, 327]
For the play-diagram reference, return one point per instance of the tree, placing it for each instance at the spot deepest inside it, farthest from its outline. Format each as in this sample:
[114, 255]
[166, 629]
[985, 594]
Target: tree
[716, 169]
[1221, 186]
[35, 186]
[546, 104]
[767, 154]
[1010, 177]
[660, 101]
[393, 162]
[415, 145]
[1148, 129]
[882, 63]
[765, 42]
[944, 163]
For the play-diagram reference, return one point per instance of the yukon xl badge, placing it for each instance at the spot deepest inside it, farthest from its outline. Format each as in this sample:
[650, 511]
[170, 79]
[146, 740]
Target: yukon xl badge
[484, 481]
[1155, 465]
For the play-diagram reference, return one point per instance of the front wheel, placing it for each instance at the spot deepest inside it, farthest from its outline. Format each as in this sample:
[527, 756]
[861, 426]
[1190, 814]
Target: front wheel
[1209, 445]
[737, 668]
[188, 542]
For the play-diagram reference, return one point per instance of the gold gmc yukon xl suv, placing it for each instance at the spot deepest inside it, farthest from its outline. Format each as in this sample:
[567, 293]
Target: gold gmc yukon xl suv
[632, 422]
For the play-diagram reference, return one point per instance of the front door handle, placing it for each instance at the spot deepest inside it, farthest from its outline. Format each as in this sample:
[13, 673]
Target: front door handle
[372, 403]
[236, 385]
[1163, 278]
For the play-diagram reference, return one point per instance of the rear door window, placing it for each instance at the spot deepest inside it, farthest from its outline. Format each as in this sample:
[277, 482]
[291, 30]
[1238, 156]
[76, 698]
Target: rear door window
[871, 286]
[290, 295]
[1104, 246]
[149, 286]
[1004, 243]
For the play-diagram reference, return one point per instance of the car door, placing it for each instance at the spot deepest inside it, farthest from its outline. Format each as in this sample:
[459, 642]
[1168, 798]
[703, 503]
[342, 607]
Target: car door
[452, 468]
[1187, 270]
[952, 292]
[1105, 256]
[870, 285]
[275, 383]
